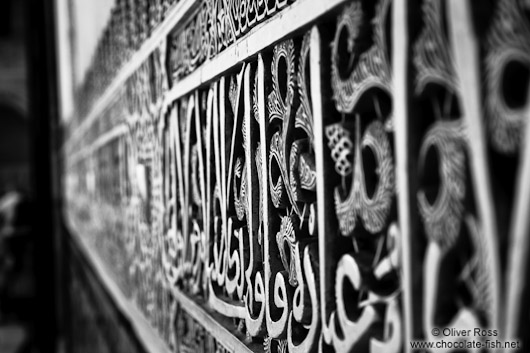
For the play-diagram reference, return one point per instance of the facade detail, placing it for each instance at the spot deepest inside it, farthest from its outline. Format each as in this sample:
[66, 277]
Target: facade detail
[303, 176]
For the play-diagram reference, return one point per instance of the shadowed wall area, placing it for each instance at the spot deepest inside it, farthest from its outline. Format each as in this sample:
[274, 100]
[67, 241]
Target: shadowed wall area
[14, 149]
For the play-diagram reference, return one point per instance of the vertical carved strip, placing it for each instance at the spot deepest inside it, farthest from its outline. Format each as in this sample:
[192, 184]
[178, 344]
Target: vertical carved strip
[255, 300]
[401, 87]
[323, 168]
[363, 271]
[279, 106]
[172, 196]
[451, 239]
[212, 150]
[304, 323]
[230, 259]
[466, 58]
[519, 244]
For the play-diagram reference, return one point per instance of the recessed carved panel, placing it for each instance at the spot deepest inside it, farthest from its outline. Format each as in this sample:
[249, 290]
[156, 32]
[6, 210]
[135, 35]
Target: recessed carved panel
[350, 187]
[460, 277]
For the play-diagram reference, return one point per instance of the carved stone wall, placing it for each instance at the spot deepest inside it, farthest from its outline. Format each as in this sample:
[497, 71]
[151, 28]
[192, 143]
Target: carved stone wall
[299, 176]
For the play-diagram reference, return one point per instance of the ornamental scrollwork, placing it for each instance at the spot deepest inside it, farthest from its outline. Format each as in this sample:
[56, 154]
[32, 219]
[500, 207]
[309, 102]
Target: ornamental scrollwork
[347, 188]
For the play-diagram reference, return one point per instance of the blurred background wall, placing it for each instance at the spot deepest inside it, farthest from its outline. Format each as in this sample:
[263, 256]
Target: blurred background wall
[14, 126]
